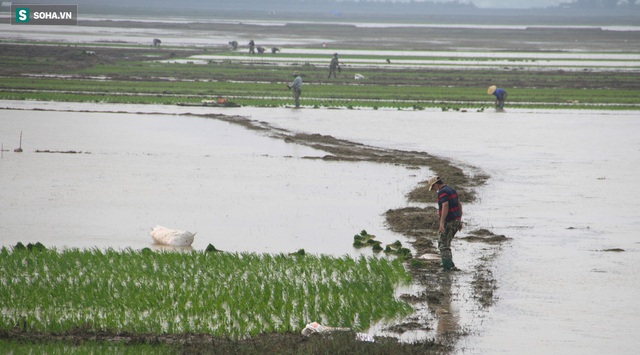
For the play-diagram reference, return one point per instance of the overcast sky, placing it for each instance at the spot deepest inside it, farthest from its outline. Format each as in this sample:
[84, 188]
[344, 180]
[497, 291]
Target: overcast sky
[523, 4]
[518, 3]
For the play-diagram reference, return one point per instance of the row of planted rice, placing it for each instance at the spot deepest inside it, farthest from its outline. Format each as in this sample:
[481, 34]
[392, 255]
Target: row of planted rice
[226, 294]
[390, 59]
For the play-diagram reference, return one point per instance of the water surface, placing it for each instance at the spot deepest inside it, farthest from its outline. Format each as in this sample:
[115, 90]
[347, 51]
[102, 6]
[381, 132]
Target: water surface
[238, 190]
[563, 188]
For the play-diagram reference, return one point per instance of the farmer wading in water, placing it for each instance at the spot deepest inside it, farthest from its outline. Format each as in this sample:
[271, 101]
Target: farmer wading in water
[450, 211]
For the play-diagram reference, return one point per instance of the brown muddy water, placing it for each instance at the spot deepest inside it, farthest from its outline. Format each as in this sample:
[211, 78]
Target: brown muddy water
[562, 187]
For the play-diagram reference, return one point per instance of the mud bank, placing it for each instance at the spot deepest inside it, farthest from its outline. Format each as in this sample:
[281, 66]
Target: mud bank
[419, 225]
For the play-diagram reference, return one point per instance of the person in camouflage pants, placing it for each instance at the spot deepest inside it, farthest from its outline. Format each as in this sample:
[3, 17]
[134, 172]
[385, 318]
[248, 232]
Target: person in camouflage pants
[444, 244]
[450, 211]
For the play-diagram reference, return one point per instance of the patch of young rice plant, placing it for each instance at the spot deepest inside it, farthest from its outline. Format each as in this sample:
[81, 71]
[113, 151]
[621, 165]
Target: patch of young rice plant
[90, 347]
[227, 294]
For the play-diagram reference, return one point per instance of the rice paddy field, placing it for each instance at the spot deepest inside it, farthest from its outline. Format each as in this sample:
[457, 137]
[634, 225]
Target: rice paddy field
[222, 294]
[143, 301]
[398, 78]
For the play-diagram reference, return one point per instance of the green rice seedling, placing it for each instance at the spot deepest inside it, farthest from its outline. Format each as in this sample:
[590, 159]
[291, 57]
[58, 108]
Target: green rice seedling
[418, 263]
[396, 249]
[404, 253]
[235, 78]
[371, 241]
[225, 294]
[210, 249]
[19, 246]
[89, 347]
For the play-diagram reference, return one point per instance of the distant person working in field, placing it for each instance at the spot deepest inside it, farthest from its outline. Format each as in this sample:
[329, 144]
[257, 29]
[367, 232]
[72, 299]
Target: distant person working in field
[334, 66]
[500, 94]
[450, 211]
[252, 47]
[297, 88]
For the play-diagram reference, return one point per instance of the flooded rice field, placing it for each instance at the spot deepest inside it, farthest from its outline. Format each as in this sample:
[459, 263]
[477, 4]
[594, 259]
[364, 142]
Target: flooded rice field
[565, 280]
[104, 180]
[562, 183]
[562, 187]
[444, 60]
[500, 39]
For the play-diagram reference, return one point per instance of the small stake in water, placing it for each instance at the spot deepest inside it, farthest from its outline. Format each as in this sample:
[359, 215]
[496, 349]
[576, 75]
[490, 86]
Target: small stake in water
[19, 149]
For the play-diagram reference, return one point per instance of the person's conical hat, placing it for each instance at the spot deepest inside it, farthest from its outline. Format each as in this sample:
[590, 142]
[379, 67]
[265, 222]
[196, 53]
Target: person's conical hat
[491, 89]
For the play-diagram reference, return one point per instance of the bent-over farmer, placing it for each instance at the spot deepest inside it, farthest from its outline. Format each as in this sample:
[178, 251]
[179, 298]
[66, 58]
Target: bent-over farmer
[500, 94]
[450, 211]
[297, 88]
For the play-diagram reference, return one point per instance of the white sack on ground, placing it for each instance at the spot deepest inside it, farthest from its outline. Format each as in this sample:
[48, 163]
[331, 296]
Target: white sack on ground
[166, 236]
[316, 327]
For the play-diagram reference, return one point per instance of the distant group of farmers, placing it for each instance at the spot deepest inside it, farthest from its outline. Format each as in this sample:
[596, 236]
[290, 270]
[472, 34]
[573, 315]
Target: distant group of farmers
[296, 85]
[334, 68]
[253, 48]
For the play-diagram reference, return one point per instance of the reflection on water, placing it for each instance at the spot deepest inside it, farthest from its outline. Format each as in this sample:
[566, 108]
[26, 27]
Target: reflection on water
[448, 319]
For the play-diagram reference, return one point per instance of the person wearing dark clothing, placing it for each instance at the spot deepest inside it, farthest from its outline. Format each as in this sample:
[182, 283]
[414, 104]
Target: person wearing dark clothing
[252, 46]
[500, 94]
[450, 212]
[334, 66]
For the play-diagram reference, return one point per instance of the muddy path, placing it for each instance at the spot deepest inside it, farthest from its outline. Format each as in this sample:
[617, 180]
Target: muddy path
[419, 225]
[287, 343]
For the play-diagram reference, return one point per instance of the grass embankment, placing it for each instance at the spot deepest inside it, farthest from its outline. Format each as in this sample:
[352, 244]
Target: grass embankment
[94, 294]
[130, 75]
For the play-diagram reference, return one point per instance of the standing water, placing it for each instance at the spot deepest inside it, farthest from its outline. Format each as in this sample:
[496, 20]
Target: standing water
[562, 188]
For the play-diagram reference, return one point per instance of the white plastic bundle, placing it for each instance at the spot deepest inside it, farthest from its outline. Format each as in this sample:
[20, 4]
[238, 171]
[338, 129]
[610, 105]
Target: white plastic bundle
[315, 327]
[166, 236]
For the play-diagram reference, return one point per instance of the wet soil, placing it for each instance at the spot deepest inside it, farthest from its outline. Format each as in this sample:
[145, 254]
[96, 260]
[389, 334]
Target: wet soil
[534, 38]
[417, 224]
[282, 343]
[72, 59]
[67, 59]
